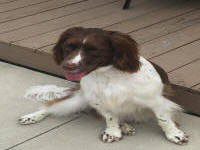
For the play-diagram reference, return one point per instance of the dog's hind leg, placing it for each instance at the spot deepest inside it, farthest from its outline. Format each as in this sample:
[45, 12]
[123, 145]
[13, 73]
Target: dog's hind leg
[163, 113]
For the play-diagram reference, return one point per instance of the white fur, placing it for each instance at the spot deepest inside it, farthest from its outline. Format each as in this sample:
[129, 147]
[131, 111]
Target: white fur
[84, 40]
[76, 59]
[46, 92]
[124, 93]
[69, 106]
[33, 117]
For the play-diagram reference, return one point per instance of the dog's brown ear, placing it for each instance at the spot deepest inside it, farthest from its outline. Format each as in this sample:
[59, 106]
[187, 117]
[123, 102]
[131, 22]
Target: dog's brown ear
[126, 55]
[58, 48]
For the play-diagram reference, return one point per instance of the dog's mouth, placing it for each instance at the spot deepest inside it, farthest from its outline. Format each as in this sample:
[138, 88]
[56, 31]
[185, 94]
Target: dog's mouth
[73, 74]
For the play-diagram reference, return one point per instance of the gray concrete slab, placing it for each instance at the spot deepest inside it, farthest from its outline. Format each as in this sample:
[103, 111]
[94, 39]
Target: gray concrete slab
[79, 134]
[82, 134]
[14, 81]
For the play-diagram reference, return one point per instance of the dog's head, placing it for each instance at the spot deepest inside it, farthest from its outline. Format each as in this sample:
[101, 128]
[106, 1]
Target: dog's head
[82, 50]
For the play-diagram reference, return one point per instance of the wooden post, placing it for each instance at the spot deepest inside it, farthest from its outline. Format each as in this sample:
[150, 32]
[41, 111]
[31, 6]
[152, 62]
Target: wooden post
[127, 4]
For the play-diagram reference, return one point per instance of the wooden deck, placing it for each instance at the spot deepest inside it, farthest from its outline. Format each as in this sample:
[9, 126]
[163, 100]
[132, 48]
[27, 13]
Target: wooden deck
[168, 31]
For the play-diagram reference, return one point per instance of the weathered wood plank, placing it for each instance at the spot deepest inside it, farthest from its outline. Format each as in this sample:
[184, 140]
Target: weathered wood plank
[35, 9]
[113, 17]
[19, 4]
[61, 22]
[179, 57]
[187, 98]
[186, 76]
[139, 10]
[51, 14]
[154, 17]
[196, 87]
[140, 19]
[171, 41]
[46, 49]
[152, 48]
[7, 1]
[29, 58]
[167, 27]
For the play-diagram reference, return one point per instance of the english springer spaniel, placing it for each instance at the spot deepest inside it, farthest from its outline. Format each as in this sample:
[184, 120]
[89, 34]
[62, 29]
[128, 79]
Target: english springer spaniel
[114, 80]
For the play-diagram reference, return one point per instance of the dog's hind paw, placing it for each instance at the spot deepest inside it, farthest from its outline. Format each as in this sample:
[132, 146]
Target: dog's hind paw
[178, 137]
[127, 129]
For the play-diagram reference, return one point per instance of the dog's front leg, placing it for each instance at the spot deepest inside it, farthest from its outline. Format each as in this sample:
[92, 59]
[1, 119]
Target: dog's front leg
[65, 106]
[34, 117]
[112, 132]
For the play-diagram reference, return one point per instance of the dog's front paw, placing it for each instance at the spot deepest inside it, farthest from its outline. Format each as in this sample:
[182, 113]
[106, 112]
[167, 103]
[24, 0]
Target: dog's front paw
[127, 129]
[111, 135]
[178, 137]
[25, 120]
[32, 118]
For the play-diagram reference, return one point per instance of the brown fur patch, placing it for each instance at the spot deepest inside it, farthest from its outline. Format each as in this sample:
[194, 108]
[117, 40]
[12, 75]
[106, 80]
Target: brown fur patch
[126, 53]
[71, 90]
[168, 90]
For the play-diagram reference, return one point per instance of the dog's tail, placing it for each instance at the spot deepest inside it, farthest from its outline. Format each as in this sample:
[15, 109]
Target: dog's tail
[45, 93]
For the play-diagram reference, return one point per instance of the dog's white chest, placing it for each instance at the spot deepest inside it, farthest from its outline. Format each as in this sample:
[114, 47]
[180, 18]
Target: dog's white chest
[110, 87]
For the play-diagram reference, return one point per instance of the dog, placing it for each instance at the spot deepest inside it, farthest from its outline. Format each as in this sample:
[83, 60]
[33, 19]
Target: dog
[114, 80]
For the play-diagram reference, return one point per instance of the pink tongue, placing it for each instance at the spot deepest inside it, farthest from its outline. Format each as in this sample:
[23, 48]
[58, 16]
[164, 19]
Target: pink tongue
[74, 77]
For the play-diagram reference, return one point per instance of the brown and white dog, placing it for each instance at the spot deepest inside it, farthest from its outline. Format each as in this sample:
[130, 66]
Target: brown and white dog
[114, 80]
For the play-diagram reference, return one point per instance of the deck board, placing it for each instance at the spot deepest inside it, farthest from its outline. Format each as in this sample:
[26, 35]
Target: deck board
[141, 35]
[19, 4]
[52, 14]
[7, 1]
[34, 9]
[168, 31]
[107, 14]
[171, 41]
[170, 61]
[196, 87]
[167, 26]
[53, 35]
[169, 11]
[24, 33]
[187, 76]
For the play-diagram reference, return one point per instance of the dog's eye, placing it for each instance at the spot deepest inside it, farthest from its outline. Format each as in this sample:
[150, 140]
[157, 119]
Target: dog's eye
[89, 48]
[68, 48]
[72, 46]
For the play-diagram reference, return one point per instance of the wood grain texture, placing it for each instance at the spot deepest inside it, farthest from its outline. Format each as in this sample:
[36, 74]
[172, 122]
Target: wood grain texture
[168, 11]
[196, 87]
[187, 76]
[112, 13]
[170, 62]
[171, 41]
[62, 22]
[19, 4]
[34, 9]
[167, 26]
[51, 14]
